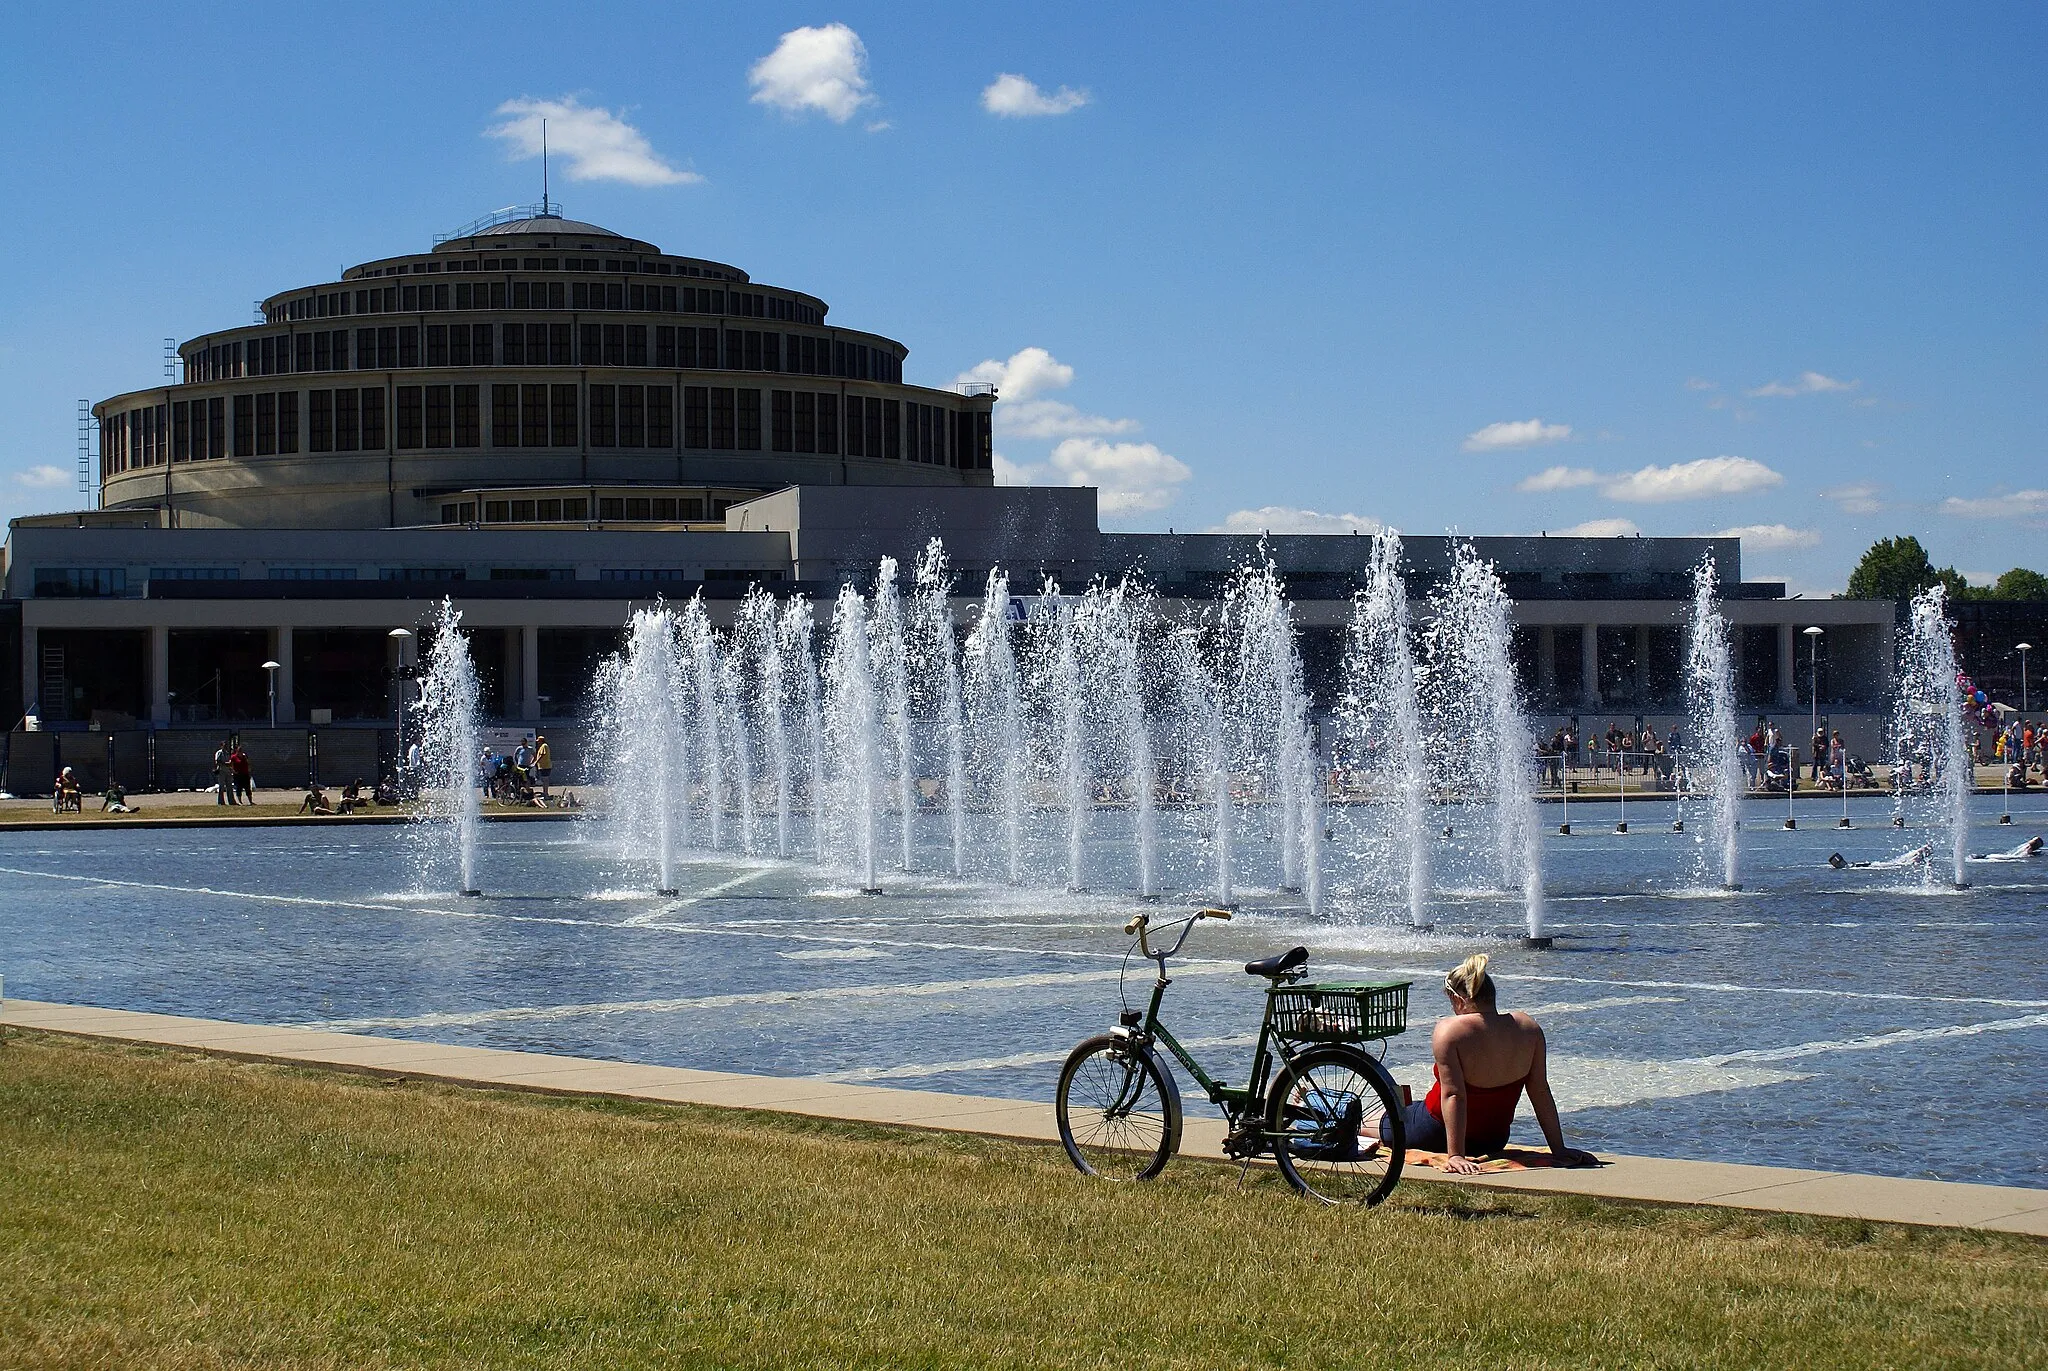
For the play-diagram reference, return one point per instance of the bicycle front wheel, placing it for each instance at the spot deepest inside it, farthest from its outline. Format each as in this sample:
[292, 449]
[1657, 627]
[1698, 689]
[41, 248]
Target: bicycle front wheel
[1118, 1110]
[1323, 1116]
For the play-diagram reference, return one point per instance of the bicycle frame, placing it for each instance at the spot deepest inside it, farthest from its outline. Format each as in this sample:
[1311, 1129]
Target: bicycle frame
[1235, 1102]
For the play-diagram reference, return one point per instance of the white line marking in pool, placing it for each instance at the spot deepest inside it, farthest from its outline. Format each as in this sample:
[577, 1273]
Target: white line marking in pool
[1870, 1042]
[1714, 987]
[1423, 973]
[899, 990]
[646, 917]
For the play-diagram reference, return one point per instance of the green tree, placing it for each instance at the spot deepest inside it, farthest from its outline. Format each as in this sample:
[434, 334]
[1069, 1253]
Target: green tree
[1893, 569]
[2020, 584]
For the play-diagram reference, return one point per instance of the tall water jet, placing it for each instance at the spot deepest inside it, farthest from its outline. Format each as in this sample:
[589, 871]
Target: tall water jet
[1480, 743]
[995, 708]
[1713, 761]
[851, 728]
[1205, 747]
[1928, 728]
[939, 650]
[700, 648]
[796, 649]
[760, 631]
[643, 735]
[1381, 720]
[1065, 692]
[1272, 709]
[738, 736]
[448, 708]
[1123, 614]
[889, 654]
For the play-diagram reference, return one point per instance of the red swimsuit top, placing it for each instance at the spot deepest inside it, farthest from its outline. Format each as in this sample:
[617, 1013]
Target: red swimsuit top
[1489, 1112]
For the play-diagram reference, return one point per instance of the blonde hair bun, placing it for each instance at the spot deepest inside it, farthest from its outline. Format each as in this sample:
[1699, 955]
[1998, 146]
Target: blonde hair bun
[1468, 979]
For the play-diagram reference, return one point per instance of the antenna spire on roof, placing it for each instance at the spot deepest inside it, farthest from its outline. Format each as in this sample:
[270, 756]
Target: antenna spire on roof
[543, 166]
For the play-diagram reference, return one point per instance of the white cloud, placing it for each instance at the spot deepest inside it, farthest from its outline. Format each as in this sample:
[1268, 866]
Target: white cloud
[1559, 478]
[1009, 473]
[1055, 419]
[822, 69]
[599, 145]
[1601, 528]
[1287, 519]
[1516, 433]
[1014, 97]
[1701, 383]
[44, 478]
[2019, 504]
[1855, 499]
[1131, 477]
[1807, 383]
[1709, 476]
[1029, 372]
[1772, 537]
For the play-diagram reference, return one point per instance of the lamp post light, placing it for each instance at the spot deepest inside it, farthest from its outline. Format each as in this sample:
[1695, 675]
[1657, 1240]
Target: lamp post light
[398, 637]
[271, 667]
[2024, 649]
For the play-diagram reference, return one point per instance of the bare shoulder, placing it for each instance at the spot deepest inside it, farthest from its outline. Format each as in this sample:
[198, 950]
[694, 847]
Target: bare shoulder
[1526, 1024]
[1454, 1028]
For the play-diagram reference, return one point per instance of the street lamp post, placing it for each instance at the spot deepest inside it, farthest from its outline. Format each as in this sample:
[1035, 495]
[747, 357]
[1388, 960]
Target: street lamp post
[1812, 632]
[2024, 649]
[398, 636]
[271, 667]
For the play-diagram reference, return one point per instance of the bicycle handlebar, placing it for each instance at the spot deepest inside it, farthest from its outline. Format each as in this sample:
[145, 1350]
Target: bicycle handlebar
[1141, 925]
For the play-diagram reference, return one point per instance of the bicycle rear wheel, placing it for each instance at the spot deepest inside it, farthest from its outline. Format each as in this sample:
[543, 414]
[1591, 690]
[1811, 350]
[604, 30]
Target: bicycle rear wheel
[1118, 1110]
[1323, 1117]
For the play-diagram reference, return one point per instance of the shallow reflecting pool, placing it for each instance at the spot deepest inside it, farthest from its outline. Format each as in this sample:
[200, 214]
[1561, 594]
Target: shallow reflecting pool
[1856, 1019]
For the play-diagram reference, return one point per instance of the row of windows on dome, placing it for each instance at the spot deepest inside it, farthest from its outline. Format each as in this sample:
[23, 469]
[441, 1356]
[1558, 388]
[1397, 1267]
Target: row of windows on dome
[545, 415]
[392, 347]
[509, 294]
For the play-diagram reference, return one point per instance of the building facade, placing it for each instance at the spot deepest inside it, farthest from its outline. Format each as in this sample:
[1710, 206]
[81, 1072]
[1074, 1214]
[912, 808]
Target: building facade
[551, 424]
[529, 369]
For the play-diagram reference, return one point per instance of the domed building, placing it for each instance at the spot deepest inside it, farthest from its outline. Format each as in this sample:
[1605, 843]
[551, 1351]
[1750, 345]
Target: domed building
[529, 369]
[549, 423]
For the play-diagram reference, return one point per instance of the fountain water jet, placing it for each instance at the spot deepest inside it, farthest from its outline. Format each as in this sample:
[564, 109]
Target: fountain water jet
[934, 619]
[1379, 716]
[851, 729]
[1479, 740]
[996, 714]
[889, 655]
[1712, 734]
[1928, 727]
[448, 708]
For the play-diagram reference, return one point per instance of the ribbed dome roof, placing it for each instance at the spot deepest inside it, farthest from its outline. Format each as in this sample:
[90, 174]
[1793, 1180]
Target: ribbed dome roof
[572, 227]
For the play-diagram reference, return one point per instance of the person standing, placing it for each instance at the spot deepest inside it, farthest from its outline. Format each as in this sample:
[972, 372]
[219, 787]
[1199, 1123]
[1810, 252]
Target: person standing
[543, 762]
[245, 784]
[223, 776]
[1820, 751]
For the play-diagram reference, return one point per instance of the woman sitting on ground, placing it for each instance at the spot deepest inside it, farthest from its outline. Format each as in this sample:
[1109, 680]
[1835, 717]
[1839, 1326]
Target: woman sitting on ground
[1484, 1061]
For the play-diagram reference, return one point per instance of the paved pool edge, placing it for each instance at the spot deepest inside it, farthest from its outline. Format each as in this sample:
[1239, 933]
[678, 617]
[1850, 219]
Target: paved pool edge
[1831, 1194]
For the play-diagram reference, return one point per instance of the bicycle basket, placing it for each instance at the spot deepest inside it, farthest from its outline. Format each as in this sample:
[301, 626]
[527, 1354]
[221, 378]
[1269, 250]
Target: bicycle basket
[1340, 1012]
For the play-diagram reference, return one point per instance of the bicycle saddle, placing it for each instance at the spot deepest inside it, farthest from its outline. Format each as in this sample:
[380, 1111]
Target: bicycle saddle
[1279, 964]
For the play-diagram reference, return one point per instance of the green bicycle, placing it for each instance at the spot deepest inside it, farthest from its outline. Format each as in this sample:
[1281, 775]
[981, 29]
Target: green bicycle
[1313, 1102]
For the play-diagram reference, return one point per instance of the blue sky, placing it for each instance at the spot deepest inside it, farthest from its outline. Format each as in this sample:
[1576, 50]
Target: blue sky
[1490, 269]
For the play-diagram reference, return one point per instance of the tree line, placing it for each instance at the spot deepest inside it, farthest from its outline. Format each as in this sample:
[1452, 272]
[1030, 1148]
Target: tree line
[1895, 568]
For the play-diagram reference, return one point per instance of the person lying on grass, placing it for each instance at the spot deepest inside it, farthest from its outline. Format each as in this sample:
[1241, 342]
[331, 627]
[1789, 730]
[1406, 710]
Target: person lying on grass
[1484, 1061]
[315, 802]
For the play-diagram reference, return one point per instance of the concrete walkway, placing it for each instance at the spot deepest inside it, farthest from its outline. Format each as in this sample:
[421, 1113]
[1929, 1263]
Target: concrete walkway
[1836, 1194]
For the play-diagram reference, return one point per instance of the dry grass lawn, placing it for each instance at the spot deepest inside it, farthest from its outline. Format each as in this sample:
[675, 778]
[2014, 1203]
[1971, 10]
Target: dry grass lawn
[163, 1210]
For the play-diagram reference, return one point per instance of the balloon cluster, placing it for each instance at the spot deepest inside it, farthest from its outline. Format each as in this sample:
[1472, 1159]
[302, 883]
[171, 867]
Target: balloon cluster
[1973, 697]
